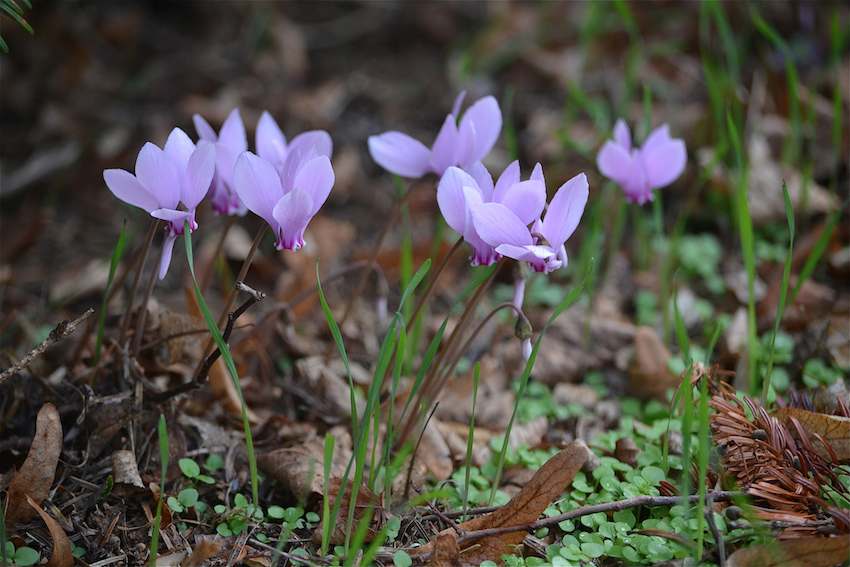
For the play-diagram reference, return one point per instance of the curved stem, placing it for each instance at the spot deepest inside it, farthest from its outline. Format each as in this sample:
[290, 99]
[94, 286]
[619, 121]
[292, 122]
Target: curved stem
[420, 302]
[125, 321]
[143, 309]
[210, 267]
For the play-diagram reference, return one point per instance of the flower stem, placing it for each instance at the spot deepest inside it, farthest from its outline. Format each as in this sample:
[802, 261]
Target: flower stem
[206, 275]
[420, 301]
[143, 309]
[125, 321]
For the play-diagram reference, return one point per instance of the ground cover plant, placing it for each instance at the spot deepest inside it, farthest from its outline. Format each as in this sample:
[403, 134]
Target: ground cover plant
[425, 284]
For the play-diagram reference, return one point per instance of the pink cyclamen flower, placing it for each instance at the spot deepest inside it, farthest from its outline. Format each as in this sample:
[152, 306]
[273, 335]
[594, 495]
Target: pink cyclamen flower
[542, 247]
[166, 180]
[230, 142]
[656, 164]
[288, 201]
[459, 193]
[456, 144]
[288, 158]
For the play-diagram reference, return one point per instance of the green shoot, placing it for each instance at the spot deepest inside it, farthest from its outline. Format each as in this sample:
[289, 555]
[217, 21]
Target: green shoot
[226, 355]
[470, 436]
[783, 290]
[117, 254]
[815, 255]
[327, 520]
[163, 469]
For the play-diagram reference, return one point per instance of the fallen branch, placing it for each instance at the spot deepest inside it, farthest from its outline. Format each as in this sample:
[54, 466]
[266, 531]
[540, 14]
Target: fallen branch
[62, 330]
[637, 501]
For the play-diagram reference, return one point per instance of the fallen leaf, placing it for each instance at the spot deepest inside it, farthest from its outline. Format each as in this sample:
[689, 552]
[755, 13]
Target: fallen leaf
[626, 451]
[446, 552]
[833, 429]
[800, 552]
[547, 484]
[649, 375]
[61, 555]
[35, 476]
[125, 470]
[204, 549]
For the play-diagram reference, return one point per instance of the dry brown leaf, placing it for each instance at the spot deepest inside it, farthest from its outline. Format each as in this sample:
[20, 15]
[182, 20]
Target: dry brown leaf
[547, 484]
[800, 552]
[649, 375]
[834, 429]
[204, 549]
[35, 476]
[61, 555]
[446, 552]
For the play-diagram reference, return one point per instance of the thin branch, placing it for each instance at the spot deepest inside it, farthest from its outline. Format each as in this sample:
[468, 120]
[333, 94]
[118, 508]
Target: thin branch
[62, 330]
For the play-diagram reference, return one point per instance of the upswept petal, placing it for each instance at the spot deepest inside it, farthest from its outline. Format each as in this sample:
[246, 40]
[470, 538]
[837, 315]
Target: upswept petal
[482, 253]
[258, 186]
[199, 174]
[664, 163]
[508, 178]
[537, 174]
[292, 214]
[126, 187]
[179, 147]
[445, 146]
[451, 199]
[657, 138]
[296, 156]
[316, 178]
[458, 103]
[497, 225]
[615, 163]
[466, 143]
[317, 140]
[484, 180]
[622, 135]
[232, 134]
[526, 200]
[167, 251]
[158, 173]
[487, 118]
[400, 154]
[203, 128]
[565, 210]
[269, 139]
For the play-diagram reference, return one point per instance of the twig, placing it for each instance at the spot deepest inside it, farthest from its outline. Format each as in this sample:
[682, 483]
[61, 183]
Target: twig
[712, 525]
[62, 330]
[649, 501]
[416, 450]
[254, 296]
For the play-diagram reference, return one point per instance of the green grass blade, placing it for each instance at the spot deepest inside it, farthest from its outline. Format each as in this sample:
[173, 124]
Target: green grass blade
[117, 254]
[815, 255]
[229, 363]
[163, 460]
[17, 17]
[704, 448]
[470, 436]
[327, 520]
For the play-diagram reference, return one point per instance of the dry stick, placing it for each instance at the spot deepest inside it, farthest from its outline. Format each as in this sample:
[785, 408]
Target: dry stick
[143, 313]
[254, 296]
[373, 256]
[62, 330]
[243, 271]
[416, 450]
[473, 536]
[712, 525]
[420, 302]
[210, 267]
[146, 247]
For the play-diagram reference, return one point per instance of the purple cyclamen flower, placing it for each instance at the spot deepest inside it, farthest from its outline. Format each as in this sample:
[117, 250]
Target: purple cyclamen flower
[542, 247]
[230, 142]
[288, 159]
[459, 193]
[456, 144]
[165, 179]
[638, 171]
[288, 200]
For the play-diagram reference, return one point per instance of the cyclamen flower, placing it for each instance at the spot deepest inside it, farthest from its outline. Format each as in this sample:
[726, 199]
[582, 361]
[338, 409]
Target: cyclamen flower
[287, 159]
[459, 193]
[286, 201]
[462, 145]
[230, 142]
[543, 246]
[656, 164]
[165, 179]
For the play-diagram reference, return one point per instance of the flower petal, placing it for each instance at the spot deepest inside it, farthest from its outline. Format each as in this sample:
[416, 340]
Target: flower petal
[167, 251]
[126, 187]
[232, 133]
[258, 186]
[292, 214]
[157, 172]
[400, 154]
[451, 199]
[664, 162]
[270, 141]
[508, 178]
[497, 225]
[445, 145]
[526, 200]
[657, 138]
[565, 210]
[174, 216]
[487, 120]
[317, 140]
[615, 163]
[203, 128]
[199, 174]
[316, 178]
[484, 180]
[622, 135]
[179, 147]
[537, 174]
[457, 104]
